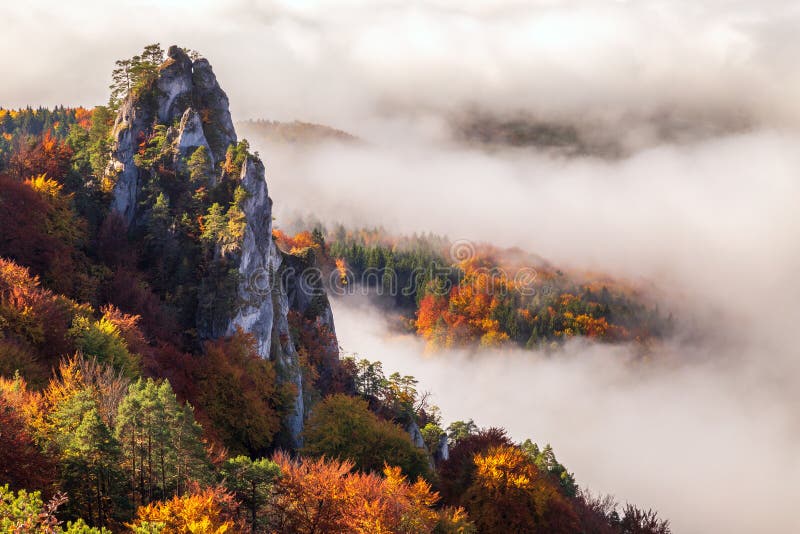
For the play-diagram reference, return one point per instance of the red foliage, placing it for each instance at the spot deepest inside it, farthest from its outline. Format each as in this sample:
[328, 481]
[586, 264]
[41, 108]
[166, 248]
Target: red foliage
[128, 292]
[33, 317]
[457, 471]
[45, 156]
[22, 464]
[25, 235]
[113, 247]
[318, 349]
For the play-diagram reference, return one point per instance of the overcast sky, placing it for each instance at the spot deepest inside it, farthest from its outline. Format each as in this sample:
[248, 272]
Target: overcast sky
[339, 62]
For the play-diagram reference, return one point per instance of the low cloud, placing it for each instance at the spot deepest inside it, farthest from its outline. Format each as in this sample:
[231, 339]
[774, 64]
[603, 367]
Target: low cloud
[619, 65]
[704, 430]
[708, 444]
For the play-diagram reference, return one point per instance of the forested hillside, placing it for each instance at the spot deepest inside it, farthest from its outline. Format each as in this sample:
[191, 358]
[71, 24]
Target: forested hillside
[166, 365]
[462, 294]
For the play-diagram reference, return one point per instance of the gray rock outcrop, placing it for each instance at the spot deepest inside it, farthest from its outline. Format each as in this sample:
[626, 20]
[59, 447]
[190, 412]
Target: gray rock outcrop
[191, 135]
[182, 86]
[189, 102]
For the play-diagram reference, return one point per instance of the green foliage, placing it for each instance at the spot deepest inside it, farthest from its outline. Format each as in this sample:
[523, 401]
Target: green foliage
[396, 396]
[545, 460]
[235, 157]
[156, 148]
[162, 448]
[102, 339]
[403, 271]
[432, 435]
[343, 427]
[214, 224]
[459, 430]
[251, 482]
[25, 512]
[480, 301]
[134, 74]
[199, 166]
[115, 446]
[89, 456]
[92, 147]
[226, 230]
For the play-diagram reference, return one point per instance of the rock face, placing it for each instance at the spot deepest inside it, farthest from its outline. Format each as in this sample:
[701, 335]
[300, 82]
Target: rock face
[416, 435]
[442, 452]
[184, 89]
[192, 135]
[270, 284]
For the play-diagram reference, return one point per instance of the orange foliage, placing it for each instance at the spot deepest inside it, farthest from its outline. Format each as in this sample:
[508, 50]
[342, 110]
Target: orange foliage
[203, 511]
[83, 117]
[341, 267]
[325, 496]
[466, 315]
[237, 391]
[294, 244]
[33, 320]
[47, 156]
[509, 494]
[41, 236]
[22, 464]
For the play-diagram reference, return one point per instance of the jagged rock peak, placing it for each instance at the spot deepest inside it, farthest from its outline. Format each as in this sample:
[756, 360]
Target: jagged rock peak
[163, 123]
[186, 94]
[174, 81]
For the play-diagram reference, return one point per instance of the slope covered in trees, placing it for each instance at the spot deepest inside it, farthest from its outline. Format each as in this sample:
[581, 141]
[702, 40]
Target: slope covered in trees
[459, 294]
[117, 415]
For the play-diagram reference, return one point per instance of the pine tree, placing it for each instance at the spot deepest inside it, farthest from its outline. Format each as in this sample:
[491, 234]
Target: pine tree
[161, 442]
[199, 166]
[251, 482]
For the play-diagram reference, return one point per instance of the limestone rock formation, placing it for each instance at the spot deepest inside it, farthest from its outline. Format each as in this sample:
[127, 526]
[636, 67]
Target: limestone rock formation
[192, 135]
[186, 100]
[184, 89]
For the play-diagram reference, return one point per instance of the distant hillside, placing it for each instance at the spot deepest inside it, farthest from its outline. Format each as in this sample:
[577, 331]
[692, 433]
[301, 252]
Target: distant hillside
[573, 137]
[295, 132]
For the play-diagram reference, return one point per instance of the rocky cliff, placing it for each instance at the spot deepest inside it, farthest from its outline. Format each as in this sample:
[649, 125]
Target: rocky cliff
[180, 110]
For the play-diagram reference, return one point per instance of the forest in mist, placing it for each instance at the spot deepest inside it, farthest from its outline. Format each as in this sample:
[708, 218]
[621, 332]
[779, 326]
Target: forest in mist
[640, 161]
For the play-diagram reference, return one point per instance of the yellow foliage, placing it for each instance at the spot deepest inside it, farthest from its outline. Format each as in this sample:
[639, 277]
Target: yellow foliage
[196, 513]
[16, 393]
[63, 222]
[44, 185]
[342, 268]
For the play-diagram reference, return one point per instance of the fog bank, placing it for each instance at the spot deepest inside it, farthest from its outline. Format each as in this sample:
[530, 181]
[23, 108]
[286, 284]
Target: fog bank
[354, 63]
[705, 431]
[711, 446]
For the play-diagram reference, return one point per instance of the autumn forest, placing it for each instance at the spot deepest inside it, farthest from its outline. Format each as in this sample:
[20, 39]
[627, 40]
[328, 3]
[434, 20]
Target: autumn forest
[130, 401]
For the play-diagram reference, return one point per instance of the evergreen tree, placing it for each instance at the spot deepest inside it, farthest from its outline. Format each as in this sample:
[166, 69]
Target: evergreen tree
[89, 456]
[199, 166]
[161, 443]
[251, 482]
